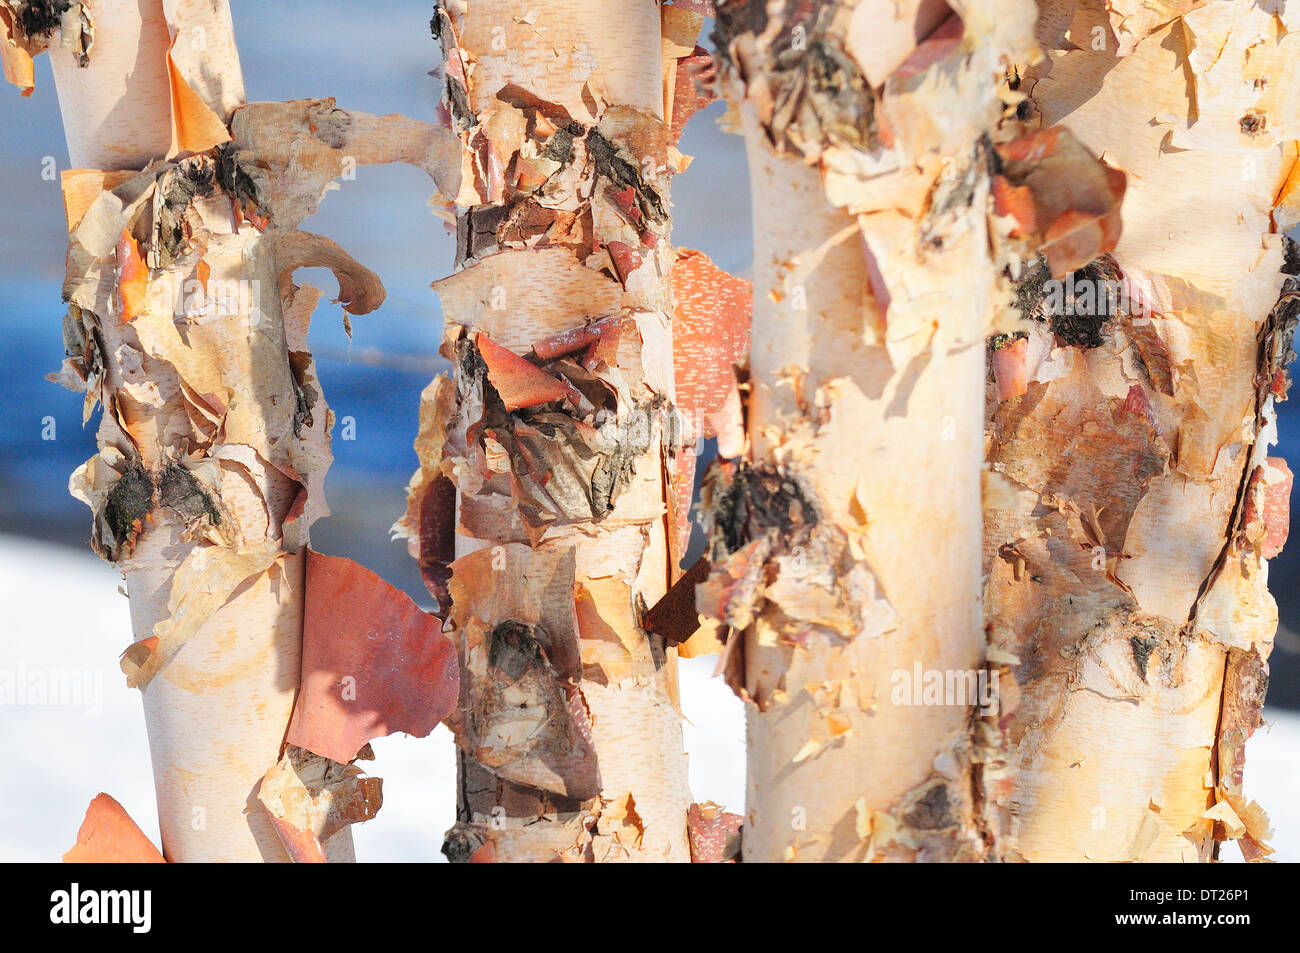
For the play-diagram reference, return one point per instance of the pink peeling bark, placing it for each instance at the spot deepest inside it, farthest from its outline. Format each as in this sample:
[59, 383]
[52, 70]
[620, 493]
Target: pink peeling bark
[372, 663]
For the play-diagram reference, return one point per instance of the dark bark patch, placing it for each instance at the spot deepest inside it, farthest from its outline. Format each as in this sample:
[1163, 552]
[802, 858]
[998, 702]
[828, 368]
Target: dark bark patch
[615, 469]
[458, 102]
[235, 181]
[124, 512]
[193, 177]
[190, 499]
[819, 95]
[329, 124]
[463, 840]
[1253, 123]
[1077, 309]
[1277, 342]
[304, 395]
[932, 811]
[1142, 649]
[41, 17]
[1290, 256]
[513, 649]
[756, 501]
[559, 147]
[616, 166]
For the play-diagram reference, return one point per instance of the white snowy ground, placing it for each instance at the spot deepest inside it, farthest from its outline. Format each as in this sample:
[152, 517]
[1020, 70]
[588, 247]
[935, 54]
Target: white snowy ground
[60, 611]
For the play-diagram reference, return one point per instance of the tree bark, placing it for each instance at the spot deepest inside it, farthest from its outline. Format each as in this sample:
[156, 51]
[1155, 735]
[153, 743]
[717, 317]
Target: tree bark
[844, 540]
[1133, 504]
[184, 322]
[542, 513]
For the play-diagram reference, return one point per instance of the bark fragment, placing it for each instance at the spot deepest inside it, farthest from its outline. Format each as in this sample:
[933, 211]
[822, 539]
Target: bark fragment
[108, 835]
[310, 799]
[372, 663]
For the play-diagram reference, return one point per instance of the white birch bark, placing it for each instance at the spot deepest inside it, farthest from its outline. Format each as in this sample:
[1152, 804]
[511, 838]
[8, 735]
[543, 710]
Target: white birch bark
[555, 439]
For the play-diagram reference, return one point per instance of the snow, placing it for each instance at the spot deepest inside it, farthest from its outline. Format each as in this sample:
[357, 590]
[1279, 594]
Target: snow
[65, 617]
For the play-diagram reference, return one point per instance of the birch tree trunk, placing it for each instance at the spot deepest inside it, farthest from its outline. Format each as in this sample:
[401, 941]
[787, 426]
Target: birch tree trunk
[546, 464]
[1133, 505]
[844, 539]
[184, 322]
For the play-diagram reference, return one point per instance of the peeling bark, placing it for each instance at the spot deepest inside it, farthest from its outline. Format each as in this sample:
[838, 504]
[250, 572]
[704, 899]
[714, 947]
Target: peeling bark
[843, 539]
[108, 835]
[184, 322]
[543, 512]
[1131, 506]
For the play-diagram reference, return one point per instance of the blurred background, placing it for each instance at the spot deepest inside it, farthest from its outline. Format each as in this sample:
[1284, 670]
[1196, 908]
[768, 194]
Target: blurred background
[60, 608]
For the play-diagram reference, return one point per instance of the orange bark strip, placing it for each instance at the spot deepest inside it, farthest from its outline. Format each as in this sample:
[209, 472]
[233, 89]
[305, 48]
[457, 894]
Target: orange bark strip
[16, 61]
[1073, 201]
[939, 45]
[132, 279]
[109, 836]
[372, 663]
[710, 331]
[574, 339]
[1268, 506]
[519, 383]
[195, 127]
[1016, 202]
[1277, 510]
[1010, 370]
[303, 847]
[81, 187]
[688, 99]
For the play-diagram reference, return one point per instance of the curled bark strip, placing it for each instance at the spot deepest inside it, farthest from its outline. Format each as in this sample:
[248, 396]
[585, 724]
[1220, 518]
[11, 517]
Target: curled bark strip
[360, 290]
[1267, 517]
[1245, 685]
[1009, 368]
[561, 440]
[202, 584]
[772, 551]
[711, 327]
[310, 798]
[519, 383]
[372, 663]
[109, 836]
[675, 616]
[429, 524]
